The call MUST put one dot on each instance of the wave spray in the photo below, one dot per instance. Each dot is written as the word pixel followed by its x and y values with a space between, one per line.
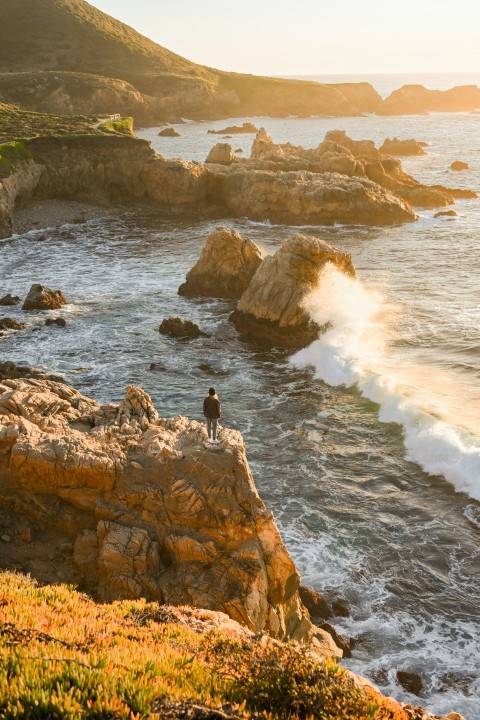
pixel 357 349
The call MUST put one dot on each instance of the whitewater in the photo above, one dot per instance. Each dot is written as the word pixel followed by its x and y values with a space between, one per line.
pixel 365 445
pixel 356 349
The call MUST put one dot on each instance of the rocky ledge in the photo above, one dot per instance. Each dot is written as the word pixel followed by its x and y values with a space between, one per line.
pixel 149 510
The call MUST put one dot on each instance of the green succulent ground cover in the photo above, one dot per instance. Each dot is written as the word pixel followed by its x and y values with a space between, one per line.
pixel 63 656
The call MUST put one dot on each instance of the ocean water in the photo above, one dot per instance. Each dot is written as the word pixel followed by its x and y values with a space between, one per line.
pixel 366 445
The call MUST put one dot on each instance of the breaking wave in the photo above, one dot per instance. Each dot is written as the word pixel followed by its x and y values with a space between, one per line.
pixel 357 350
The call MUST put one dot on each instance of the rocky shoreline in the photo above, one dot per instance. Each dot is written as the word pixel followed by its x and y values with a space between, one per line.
pixel 42 214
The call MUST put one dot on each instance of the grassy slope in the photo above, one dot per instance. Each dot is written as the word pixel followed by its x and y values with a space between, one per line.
pixel 64 656
pixel 71 35
pixel 22 125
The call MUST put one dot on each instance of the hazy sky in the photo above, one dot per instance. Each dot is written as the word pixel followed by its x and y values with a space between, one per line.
pixel 292 37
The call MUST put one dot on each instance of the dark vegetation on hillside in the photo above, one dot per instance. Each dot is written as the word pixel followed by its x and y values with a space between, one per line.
pixel 96 54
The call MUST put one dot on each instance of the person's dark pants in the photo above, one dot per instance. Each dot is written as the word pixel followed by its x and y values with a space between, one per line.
pixel 212 428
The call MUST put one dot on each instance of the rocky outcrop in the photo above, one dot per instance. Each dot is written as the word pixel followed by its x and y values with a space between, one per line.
pixel 338 153
pixel 59 321
pixel 18 183
pixel 459 165
pixel 8 300
pixel 402 147
pixel 418 100
pixel 222 154
pixel 10 324
pixel 246 128
pixel 42 298
pixel 272 308
pixel 225 268
pixel 299 197
pixel 180 328
pixel 151 513
pixel 168 132
pixel 446 213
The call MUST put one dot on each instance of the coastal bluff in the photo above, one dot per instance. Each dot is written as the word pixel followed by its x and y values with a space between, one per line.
pixel 145 508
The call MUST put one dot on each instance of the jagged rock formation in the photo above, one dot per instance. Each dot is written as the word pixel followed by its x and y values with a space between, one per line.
pixel 360 159
pixel 272 307
pixel 401 147
pixel 9 324
pixel 418 100
pixel 150 511
pixel 41 297
pixel 225 268
pixel 221 153
pixel 180 328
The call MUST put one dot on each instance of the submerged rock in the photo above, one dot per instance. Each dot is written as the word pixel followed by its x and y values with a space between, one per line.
pixel 410 681
pixel 9 300
pixel 180 328
pixel 42 298
pixel 151 514
pixel 221 154
pixel 272 307
pixel 446 213
pixel 225 268
pixel 61 322
pixel 11 324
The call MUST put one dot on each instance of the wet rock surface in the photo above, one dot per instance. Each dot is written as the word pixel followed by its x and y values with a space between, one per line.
pixel 41 297
pixel 180 328
pixel 9 300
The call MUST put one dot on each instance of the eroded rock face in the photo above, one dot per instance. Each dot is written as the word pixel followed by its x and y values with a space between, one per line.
pixel 221 154
pixel 357 160
pixel 225 268
pixel 41 297
pixel 271 309
pixel 151 513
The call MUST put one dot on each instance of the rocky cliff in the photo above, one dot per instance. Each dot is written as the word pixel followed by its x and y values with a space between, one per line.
pixel 102 169
pixel 418 100
pixel 150 511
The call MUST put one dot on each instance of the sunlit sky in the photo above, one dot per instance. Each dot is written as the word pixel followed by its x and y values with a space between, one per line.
pixel 300 37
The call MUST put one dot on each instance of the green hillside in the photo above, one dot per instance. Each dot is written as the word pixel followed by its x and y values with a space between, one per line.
pixel 40 38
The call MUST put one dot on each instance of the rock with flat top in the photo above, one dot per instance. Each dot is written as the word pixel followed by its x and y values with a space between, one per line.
pixel 272 307
pixel 41 297
pixel 221 154
pixel 247 128
pixel 150 512
pixel 225 268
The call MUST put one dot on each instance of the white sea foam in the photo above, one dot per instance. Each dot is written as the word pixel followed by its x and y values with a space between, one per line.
pixel 356 350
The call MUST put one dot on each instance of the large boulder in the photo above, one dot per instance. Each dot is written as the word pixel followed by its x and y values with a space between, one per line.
pixel 150 513
pixel 180 328
pixel 226 265
pixel 42 298
pixel 221 154
pixel 402 147
pixel 272 307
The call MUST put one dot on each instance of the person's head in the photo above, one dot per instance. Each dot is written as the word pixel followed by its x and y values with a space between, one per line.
pixel 211 391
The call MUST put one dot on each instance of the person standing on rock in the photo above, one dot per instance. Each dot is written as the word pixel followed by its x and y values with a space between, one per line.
pixel 211 410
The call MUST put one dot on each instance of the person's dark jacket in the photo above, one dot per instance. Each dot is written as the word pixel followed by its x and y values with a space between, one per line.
pixel 211 407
